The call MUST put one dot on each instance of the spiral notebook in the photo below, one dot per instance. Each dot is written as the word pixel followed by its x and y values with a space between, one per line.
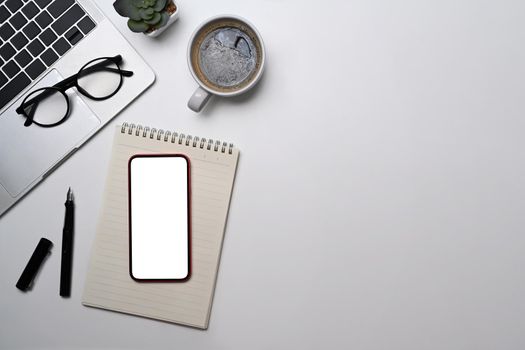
pixel 108 283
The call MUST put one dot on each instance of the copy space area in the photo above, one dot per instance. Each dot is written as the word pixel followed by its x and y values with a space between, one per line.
pixel 379 197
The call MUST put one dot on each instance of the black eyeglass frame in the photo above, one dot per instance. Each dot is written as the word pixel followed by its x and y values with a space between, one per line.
pixel 72 82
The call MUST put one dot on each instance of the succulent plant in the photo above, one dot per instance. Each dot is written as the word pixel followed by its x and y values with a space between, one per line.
pixel 144 15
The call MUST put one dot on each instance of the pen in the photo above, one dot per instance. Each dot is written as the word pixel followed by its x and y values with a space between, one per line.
pixel 67 246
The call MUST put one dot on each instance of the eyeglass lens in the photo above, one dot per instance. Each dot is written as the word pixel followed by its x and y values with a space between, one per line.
pixel 100 78
pixel 49 110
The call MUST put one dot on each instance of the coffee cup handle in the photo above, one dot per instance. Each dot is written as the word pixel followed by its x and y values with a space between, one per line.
pixel 198 99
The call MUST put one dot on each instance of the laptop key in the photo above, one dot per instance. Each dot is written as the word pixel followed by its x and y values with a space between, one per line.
pixel 49 57
pixel 59 6
pixel 23 58
pixel 61 46
pixel 42 3
pixel 6 31
pixel 86 25
pixel 18 21
pixel 69 18
pixel 14 5
pixel 13 88
pixel 11 68
pixel 7 51
pixel 3 79
pixel 73 35
pixel 31 30
pixel 35 69
pixel 30 10
pixel 43 19
pixel 35 47
pixel 4 14
pixel 19 41
pixel 47 37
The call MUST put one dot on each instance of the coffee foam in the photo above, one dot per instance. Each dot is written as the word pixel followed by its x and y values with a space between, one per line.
pixel 219 77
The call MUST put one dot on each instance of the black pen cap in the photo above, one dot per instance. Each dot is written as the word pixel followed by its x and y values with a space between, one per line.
pixel 33 265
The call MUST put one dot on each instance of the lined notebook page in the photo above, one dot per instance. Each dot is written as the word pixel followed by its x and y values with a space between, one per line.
pixel 109 285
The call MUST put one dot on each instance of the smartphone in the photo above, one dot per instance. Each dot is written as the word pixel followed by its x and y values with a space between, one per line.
pixel 159 217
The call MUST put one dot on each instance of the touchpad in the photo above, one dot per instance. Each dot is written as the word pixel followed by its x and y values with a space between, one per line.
pixel 27 153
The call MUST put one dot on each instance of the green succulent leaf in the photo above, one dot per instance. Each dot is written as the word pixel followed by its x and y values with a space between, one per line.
pixel 146 13
pixel 126 9
pixel 164 18
pixel 160 5
pixel 137 3
pixel 156 19
pixel 137 26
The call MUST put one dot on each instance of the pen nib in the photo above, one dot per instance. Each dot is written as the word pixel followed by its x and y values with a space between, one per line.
pixel 70 195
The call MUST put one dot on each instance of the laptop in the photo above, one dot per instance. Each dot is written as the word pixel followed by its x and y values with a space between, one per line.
pixel 41 43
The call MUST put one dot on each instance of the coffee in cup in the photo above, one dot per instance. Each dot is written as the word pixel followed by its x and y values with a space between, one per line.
pixel 226 57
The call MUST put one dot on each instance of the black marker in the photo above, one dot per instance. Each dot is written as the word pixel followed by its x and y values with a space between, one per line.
pixel 67 246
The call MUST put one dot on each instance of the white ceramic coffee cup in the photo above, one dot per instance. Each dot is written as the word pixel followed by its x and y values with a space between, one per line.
pixel 204 92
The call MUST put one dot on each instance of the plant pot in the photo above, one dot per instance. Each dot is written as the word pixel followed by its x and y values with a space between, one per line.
pixel 173 17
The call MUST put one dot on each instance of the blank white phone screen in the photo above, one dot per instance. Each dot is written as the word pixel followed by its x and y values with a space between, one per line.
pixel 159 217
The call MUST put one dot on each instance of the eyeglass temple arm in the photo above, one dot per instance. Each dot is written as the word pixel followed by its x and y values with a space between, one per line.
pixel 70 81
pixel 29 117
pixel 126 73
pixel 37 98
pixel 102 66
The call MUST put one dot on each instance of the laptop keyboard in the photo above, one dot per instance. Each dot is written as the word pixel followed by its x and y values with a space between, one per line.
pixel 34 34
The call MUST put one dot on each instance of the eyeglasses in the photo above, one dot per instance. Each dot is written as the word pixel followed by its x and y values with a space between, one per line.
pixel 99 79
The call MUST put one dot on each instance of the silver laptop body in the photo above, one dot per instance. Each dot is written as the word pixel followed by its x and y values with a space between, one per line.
pixel 29 154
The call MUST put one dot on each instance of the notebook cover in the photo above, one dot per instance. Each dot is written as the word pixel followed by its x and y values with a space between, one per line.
pixel 108 283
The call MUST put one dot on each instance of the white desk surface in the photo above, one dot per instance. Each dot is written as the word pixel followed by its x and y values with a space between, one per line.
pixel 380 193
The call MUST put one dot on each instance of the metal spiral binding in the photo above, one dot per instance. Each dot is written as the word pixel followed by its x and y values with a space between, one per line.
pixel 173 137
